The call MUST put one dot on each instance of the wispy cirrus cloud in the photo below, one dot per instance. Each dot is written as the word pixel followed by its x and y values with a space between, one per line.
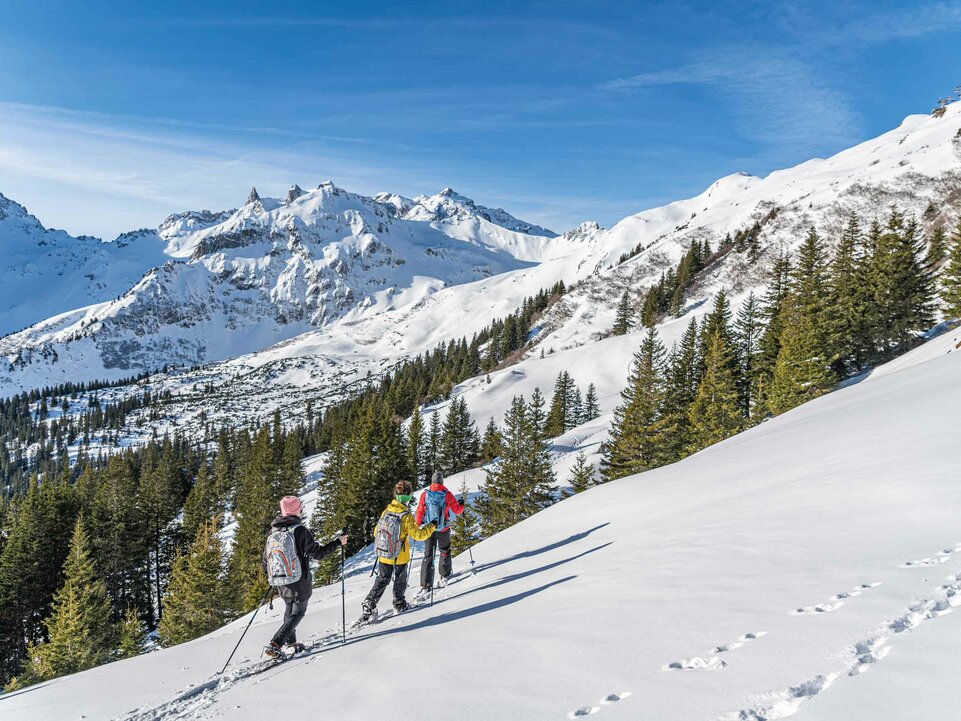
pixel 776 99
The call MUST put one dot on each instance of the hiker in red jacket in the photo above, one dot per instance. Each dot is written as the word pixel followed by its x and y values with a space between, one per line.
pixel 436 505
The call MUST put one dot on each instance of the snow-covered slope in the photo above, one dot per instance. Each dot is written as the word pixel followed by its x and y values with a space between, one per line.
pixel 242 280
pixel 808 565
pixel 46 272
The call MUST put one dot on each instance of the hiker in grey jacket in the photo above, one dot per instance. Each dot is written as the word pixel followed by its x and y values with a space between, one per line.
pixel 296 595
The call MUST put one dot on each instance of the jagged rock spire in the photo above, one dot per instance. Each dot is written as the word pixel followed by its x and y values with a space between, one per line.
pixel 253 197
pixel 293 193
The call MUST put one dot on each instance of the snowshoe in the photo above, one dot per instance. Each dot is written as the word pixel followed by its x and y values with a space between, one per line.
pixel 401 607
pixel 275 651
pixel 422 594
pixel 442 582
pixel 293 648
pixel 368 616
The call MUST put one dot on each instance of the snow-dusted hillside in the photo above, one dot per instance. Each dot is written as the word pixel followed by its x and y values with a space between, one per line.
pixel 809 565
pixel 46 272
pixel 242 280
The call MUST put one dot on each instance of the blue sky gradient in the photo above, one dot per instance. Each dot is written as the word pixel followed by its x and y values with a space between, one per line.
pixel 114 114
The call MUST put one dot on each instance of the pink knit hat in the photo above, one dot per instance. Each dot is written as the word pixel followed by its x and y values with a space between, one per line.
pixel 290 506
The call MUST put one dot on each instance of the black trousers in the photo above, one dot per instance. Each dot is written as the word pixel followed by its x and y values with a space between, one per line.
pixel 441 539
pixel 295 606
pixel 382 581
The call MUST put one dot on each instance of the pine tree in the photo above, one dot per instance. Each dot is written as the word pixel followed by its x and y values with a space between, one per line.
pixel 465 530
pixel 559 415
pixel 683 377
pixel 459 443
pixel 583 474
pixel 747 338
pixel 537 415
pixel 255 509
pixel 937 248
pixel 520 483
pixel 80 635
pixel 575 408
pixel 779 286
pixel 638 434
pixel 592 408
pixel 622 318
pixel 802 371
pixel 848 303
pixel 120 548
pixel 37 539
pixel 491 442
pixel 951 279
pixel 716 412
pixel 902 288
pixel 202 503
pixel 133 636
pixel 196 600
pixel 415 448
pixel 432 445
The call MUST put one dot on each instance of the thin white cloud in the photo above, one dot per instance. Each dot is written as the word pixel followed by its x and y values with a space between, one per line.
pixel 776 99
pixel 100 176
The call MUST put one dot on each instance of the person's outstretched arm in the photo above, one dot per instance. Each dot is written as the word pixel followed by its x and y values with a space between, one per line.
pixel 454 505
pixel 411 529
pixel 314 550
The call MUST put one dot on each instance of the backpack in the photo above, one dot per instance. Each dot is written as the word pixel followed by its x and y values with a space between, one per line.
pixel 388 536
pixel 283 563
pixel 435 503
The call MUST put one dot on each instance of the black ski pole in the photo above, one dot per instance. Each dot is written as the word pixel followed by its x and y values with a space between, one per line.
pixel 269 589
pixel 469 551
pixel 343 594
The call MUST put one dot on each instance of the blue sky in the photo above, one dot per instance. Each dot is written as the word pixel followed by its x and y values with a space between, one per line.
pixel 113 115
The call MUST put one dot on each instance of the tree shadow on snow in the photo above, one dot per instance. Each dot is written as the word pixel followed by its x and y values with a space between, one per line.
pixel 537 551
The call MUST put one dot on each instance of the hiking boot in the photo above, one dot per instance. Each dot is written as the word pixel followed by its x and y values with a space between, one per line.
pixel 442 583
pixel 274 650
pixel 368 613
pixel 293 648
pixel 402 606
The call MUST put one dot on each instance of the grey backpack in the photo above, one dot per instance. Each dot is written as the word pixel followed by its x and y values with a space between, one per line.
pixel 283 564
pixel 388 540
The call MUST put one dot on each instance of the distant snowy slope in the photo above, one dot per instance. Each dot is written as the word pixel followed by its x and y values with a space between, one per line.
pixel 46 272
pixel 810 564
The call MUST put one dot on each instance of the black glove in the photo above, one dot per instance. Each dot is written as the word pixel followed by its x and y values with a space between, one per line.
pixel 463 501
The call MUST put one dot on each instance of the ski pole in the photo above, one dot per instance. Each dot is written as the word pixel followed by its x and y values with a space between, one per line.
pixel 343 594
pixel 269 589
pixel 433 571
pixel 471 553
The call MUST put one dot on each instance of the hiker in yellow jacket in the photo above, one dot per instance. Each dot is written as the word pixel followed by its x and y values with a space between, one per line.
pixel 391 541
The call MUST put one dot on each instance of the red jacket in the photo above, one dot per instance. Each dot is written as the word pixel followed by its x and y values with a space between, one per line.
pixel 451 505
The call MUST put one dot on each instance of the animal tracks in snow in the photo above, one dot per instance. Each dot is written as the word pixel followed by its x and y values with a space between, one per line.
pixel 606 701
pixel 713 662
pixel 836 601
pixel 942 556
pixel 863 656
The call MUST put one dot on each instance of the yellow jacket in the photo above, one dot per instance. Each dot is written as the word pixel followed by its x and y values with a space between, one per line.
pixel 408 528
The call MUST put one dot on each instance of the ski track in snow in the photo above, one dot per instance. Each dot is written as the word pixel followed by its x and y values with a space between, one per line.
pixel 863 655
pixel 190 702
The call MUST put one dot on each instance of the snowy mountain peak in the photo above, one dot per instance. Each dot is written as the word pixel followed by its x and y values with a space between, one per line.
pixel 254 196
pixel 449 205
pixel 294 192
